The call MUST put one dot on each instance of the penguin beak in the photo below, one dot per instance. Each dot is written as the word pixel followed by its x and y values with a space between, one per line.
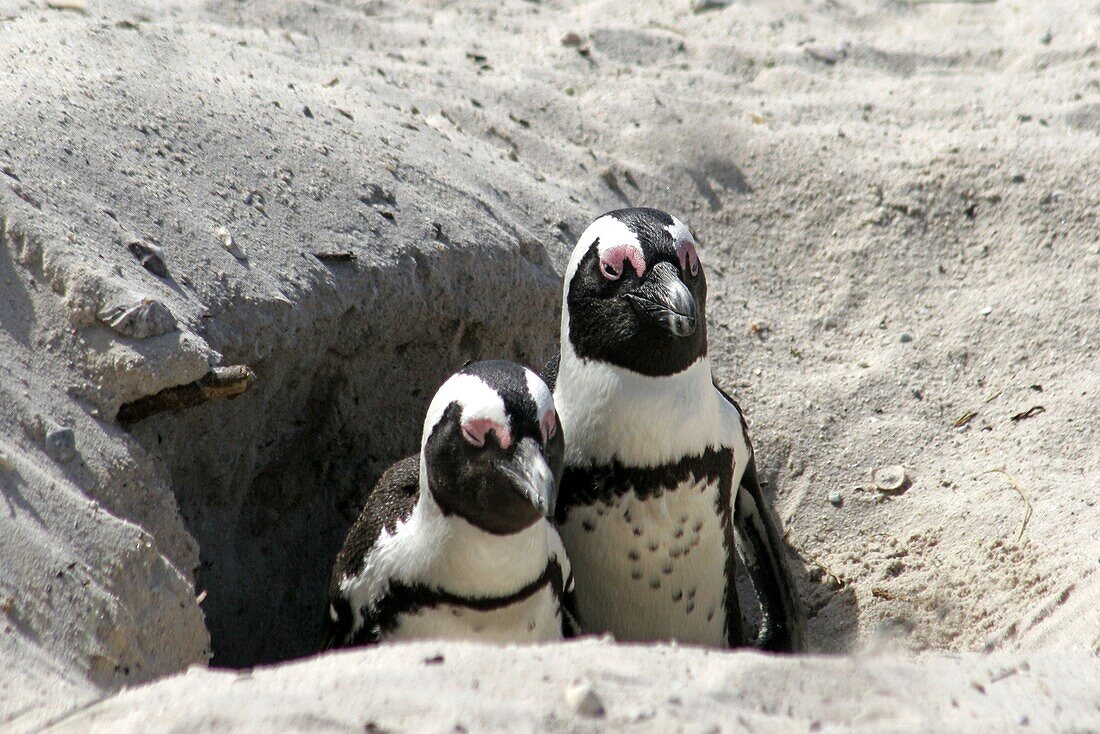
pixel 665 300
pixel 530 474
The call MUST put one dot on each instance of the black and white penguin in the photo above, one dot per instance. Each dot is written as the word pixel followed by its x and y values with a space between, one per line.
pixel 660 483
pixel 456 542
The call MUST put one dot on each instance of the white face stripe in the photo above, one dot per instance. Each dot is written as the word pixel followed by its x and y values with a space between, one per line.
pixel 477 400
pixel 612 233
pixel 544 400
pixel 679 231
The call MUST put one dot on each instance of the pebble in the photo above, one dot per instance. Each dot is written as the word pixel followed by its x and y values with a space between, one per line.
pixel 987 310
pixel 831 322
pixel 571 39
pixel 79 6
pixel 582 698
pixel 889 478
pixel 905 338
pixel 828 55
pixel 701 6
pixel 61 444
pixel 140 319
pixel 229 243
pixel 835 499
pixel 150 256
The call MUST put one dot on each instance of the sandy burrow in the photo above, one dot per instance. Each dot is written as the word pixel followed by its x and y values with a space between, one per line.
pixel 433 687
pixel 898 209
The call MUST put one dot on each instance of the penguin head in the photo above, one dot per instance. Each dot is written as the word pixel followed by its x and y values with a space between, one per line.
pixel 492 450
pixel 635 294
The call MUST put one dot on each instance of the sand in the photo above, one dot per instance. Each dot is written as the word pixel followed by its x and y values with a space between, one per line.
pixel 897 206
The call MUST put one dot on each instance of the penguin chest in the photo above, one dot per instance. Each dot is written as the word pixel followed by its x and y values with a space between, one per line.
pixel 652 565
pixel 534 619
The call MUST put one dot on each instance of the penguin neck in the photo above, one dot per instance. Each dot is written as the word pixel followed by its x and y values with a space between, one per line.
pixel 611 413
pixel 457 556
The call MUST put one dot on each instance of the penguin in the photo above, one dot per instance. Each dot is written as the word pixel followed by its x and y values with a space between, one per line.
pixel 456 541
pixel 660 485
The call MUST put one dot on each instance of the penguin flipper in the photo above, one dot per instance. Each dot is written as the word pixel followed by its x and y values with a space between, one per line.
pixel 783 621
pixel 391 501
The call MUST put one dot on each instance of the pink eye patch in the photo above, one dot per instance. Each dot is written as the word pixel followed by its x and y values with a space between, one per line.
pixel 612 260
pixel 475 431
pixel 689 258
pixel 548 425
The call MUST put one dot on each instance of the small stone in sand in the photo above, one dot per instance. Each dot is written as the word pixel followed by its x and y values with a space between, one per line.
pixel 140 319
pixel 905 338
pixel 571 40
pixel 582 698
pixel 229 243
pixel 701 6
pixel 987 310
pixel 150 256
pixel 61 444
pixel 889 478
pixel 835 499
pixel 78 6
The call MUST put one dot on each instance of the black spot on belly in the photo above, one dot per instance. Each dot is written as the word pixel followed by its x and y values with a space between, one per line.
pixel 588 526
pixel 683 519
pixel 653 546
pixel 698 527
pixel 691 594
pixel 675 552
pixel 678 595
pixel 636 574
pixel 679 533
pixel 689 608
pixel 666 569
pixel 710 615
pixel 637 532
pixel 655 583
pixel 633 555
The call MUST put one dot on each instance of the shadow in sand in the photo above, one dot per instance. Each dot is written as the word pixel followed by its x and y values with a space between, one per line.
pixel 10 482
pixel 830 604
pixel 16 307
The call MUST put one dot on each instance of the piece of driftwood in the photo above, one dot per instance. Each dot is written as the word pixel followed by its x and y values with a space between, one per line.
pixel 220 382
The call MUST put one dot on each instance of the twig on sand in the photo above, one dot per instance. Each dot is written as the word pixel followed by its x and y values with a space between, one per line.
pixel 1020 491
pixel 220 382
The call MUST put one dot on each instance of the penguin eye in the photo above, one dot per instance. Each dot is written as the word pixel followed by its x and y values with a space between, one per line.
pixel 614 259
pixel 549 426
pixel 475 432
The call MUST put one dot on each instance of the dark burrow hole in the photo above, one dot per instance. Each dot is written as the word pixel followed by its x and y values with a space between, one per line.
pixel 268 483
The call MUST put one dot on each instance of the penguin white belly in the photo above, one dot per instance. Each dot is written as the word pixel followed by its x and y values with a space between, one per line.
pixel 652 569
pixel 534 619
